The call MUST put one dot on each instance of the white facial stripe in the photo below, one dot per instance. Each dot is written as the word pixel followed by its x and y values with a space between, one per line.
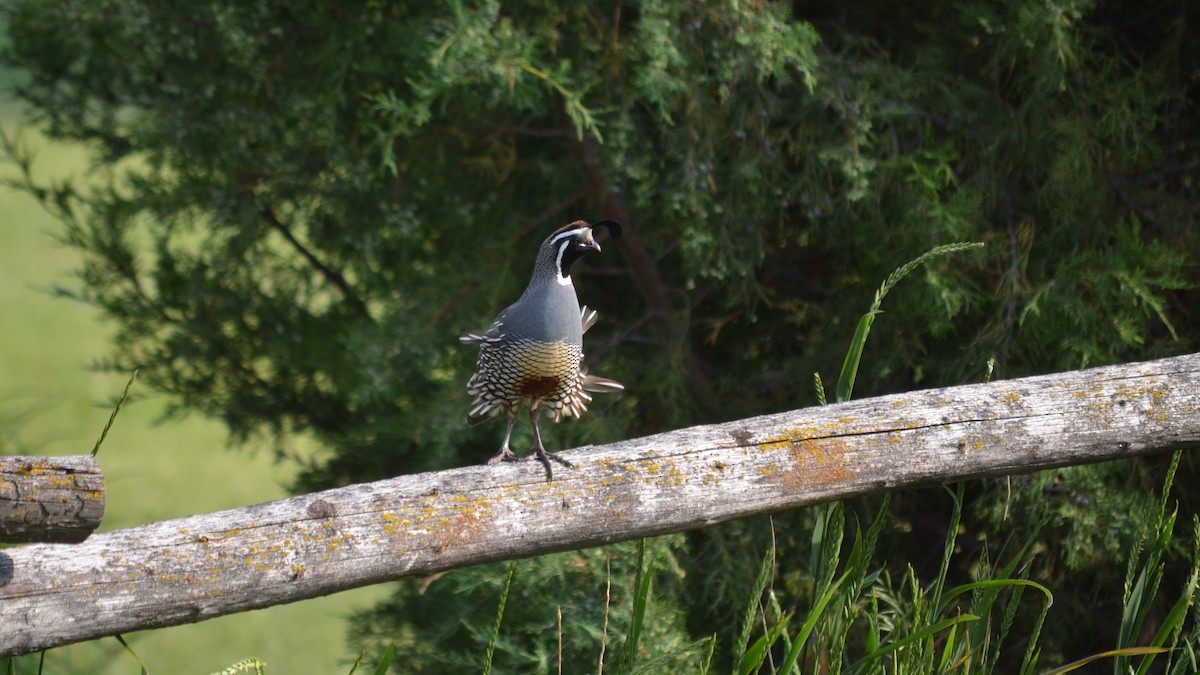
pixel 562 279
pixel 563 240
pixel 568 234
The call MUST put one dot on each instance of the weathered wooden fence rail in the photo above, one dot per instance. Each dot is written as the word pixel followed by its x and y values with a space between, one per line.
pixel 200 567
pixel 49 499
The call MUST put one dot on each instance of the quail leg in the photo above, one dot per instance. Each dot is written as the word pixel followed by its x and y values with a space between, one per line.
pixel 543 456
pixel 506 455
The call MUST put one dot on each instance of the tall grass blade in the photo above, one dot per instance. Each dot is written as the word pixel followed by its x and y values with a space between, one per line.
pixel 859 577
pixel 1032 653
pixel 948 552
pixel 1186 653
pixel 818 609
pixel 1172 624
pixel 1185 660
pixel 113 416
pixel 645 568
pixel 1112 653
pixel 948 650
pixel 760 584
pixel 845 385
pixel 993 583
pixel 753 660
pixel 810 622
pixel 491 648
pixel 870 659
pixel 132 653
pixel 706 667
pixel 385 663
pixel 607 607
pixel 825 551
pixel 1139 598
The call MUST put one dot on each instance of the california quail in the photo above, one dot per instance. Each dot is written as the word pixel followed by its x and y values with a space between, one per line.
pixel 532 354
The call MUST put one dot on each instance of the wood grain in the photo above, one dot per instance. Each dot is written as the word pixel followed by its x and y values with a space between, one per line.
pixel 195 568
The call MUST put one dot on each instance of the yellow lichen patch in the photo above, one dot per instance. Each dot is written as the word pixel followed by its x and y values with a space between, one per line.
pixel 394 525
pixel 1012 399
pixel 769 470
pixel 614 479
pixel 775 443
pixel 672 476
pixel 793 437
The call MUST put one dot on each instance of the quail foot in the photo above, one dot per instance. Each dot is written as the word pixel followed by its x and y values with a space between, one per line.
pixel 532 354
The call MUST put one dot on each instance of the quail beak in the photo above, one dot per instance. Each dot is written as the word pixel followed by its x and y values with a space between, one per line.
pixel 591 243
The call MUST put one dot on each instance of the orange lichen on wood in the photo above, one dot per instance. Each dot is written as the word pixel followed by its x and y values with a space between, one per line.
pixel 817 458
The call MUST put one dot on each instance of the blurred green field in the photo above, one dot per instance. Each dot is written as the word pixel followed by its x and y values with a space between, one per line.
pixel 52 403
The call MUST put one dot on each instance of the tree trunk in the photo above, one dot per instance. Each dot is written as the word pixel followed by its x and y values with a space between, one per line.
pixel 200 567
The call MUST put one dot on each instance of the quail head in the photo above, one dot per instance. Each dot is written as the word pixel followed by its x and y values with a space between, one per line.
pixel 532 354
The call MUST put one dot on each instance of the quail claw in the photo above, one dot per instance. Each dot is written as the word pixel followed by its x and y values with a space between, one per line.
pixel 545 457
pixel 505 455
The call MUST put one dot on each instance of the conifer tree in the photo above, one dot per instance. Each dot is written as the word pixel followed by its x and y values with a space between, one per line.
pixel 295 207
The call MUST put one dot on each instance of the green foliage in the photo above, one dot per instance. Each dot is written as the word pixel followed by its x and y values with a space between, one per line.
pixel 1142 583
pixel 602 593
pixel 293 209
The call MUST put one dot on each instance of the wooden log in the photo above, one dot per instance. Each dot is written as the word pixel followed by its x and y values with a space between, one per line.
pixel 195 568
pixel 50 499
